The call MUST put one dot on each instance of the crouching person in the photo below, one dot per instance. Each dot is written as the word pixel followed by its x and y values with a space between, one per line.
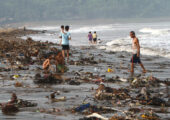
pixel 60 63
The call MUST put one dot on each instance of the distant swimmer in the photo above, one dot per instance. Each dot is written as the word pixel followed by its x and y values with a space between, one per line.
pixel 95 37
pixel 90 37
pixel 136 52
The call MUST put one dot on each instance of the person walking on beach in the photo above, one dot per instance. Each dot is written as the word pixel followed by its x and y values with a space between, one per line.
pixel 95 37
pixel 62 31
pixel 66 37
pixel 136 52
pixel 90 37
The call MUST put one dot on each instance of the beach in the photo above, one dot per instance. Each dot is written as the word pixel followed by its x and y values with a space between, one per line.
pixel 88 66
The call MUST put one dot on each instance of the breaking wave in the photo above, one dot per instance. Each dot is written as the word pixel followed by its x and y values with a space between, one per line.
pixel 155 31
pixel 125 45
pixel 48 28
pixel 86 29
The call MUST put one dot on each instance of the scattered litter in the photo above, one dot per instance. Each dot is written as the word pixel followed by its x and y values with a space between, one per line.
pixel 48 79
pixel 82 107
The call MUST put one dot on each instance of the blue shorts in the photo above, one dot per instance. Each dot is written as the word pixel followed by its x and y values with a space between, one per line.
pixel 135 59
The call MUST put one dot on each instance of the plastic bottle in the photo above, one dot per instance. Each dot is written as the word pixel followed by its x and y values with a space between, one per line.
pixel 82 107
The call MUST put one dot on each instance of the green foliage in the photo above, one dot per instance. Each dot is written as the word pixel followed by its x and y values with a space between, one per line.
pixel 36 10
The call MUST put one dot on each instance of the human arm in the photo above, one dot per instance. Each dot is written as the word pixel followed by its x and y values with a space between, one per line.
pixel 46 63
pixel 60 35
pixel 69 36
pixel 60 42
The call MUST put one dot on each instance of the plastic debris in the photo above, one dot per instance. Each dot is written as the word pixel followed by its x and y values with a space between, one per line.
pixel 82 107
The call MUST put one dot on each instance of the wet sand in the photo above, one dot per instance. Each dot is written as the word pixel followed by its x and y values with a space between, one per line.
pixel 86 65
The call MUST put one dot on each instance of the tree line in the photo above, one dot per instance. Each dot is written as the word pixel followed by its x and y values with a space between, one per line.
pixel 38 10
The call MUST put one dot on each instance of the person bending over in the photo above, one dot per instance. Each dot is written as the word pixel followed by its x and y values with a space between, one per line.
pixel 60 63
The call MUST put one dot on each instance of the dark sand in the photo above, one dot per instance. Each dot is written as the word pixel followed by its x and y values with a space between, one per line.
pixel 159 67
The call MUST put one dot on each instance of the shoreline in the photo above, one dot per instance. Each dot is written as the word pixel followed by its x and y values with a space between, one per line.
pixel 87 66
pixel 93 21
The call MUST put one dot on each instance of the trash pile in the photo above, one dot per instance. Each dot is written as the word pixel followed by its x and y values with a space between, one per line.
pixel 107 93
pixel 143 92
pixel 14 104
pixel 145 82
pixel 145 98
pixel 48 79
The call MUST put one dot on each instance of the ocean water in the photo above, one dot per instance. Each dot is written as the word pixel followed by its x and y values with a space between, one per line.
pixel 154 37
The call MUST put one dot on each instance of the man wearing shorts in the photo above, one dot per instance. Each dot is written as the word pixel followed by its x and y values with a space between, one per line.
pixel 136 52
pixel 66 37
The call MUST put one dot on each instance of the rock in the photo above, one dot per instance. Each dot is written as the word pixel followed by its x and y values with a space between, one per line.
pixel 134 110
pixel 73 82
pixel 14 104
pixel 48 79
pixel 25 103
pixel 9 109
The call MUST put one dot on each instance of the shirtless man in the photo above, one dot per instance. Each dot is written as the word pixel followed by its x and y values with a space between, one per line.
pixel 136 52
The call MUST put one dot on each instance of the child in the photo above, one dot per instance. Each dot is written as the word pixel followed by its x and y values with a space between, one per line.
pixel 95 37
pixel 66 37
pixel 90 36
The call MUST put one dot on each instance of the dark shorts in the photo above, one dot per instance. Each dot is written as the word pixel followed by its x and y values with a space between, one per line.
pixel 65 47
pixel 135 59
pixel 95 39
pixel 90 39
